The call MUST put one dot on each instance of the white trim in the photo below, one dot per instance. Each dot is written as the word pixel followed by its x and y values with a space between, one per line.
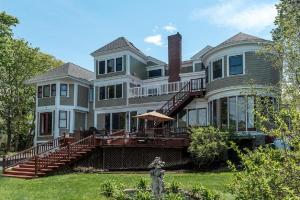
pixel 75 97
pixel 244 63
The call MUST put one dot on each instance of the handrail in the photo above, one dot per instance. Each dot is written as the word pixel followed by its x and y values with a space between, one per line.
pixel 63 153
pixel 9 161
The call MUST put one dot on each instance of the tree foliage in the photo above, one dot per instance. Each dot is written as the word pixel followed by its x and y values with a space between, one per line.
pixel 207 144
pixel 18 62
pixel 274 173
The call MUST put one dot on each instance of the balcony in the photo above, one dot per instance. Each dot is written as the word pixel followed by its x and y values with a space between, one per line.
pixel 163 89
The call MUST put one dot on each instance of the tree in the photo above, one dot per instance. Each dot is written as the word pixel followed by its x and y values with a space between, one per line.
pixel 207 144
pixel 274 173
pixel 18 62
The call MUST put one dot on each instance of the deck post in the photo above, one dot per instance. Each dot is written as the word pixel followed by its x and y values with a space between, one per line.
pixel 94 138
pixel 64 138
pixel 3 163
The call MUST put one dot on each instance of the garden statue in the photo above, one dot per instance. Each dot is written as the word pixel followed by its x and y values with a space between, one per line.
pixel 157 176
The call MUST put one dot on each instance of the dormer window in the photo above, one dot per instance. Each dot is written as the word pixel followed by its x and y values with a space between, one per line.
pixel 110 65
pixel 155 73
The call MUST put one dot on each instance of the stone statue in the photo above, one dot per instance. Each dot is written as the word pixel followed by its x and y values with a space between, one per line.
pixel 157 176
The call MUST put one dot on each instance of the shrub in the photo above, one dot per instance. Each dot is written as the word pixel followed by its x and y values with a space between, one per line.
pixel 207 144
pixel 174 187
pixel 201 192
pixel 143 195
pixel 174 196
pixel 142 184
pixel 121 195
pixel 108 189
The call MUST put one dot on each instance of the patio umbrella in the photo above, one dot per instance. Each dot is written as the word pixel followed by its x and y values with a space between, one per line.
pixel 155 116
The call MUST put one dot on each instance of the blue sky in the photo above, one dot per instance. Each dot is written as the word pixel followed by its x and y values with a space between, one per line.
pixel 72 29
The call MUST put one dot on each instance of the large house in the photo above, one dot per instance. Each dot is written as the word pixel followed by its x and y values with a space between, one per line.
pixel 209 88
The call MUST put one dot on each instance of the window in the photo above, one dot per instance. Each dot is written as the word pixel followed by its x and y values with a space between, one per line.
pixel 101 67
pixel 202 116
pixel 217 69
pixel 107 121
pixel 118 120
pixel 155 73
pixel 182 119
pixel 119 64
pixel 224 114
pixel 193 117
pixel 119 91
pixel 236 65
pixel 232 113
pixel 102 93
pixel 40 91
pixel 63 90
pixel 111 91
pixel 46 92
pixel 214 113
pixel 46 123
pixel 53 90
pixel 241 111
pixel 250 113
pixel 110 65
pixel 62 119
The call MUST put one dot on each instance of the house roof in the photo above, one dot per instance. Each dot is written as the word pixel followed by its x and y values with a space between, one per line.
pixel 67 69
pixel 155 60
pixel 240 38
pixel 201 52
pixel 118 44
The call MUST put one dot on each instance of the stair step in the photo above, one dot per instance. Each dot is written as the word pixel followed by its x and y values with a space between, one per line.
pixel 23 173
pixel 18 176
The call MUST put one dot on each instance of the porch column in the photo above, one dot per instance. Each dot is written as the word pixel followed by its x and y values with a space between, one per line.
pixel 56 124
pixel 72 121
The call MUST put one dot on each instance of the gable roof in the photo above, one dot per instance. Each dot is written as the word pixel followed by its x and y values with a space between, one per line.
pixel 201 52
pixel 155 60
pixel 67 69
pixel 118 44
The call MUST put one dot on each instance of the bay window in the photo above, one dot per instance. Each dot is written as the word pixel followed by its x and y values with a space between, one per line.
pixel 241 113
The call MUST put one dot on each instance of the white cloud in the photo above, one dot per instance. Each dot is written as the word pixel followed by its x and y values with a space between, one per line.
pixel 170 28
pixel 243 15
pixel 154 39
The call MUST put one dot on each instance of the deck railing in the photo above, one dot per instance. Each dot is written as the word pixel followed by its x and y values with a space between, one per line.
pixel 9 161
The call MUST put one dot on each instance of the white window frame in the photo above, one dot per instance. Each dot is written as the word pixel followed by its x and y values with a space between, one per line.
pixel 63 119
pixel 244 64
pixel 194 65
pixel 98 67
pixel 68 89
pixel 121 64
pixel 115 92
pixel 212 67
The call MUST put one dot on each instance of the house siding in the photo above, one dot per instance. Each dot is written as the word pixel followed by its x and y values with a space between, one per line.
pixel 80 120
pixel 70 99
pixel 83 96
pixel 186 69
pixel 257 69
pixel 101 121
pixel 46 101
pixel 149 99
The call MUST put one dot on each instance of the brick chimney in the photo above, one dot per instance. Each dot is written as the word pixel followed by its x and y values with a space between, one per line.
pixel 174 51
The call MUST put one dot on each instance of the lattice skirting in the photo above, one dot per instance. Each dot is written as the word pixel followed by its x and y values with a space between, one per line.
pixel 122 158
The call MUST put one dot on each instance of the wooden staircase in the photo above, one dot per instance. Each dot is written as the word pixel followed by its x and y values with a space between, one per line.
pixel 46 158
pixel 194 88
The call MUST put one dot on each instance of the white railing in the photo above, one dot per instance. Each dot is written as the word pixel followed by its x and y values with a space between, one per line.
pixel 156 90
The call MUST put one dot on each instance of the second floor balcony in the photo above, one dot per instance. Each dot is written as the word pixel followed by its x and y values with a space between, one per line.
pixel 167 88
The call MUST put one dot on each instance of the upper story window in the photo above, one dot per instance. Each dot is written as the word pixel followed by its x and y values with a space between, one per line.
pixel 53 90
pixel 119 64
pixel 40 91
pixel 101 67
pixel 155 73
pixel 110 92
pixel 64 90
pixel 235 65
pixel 46 92
pixel 110 65
pixel 217 68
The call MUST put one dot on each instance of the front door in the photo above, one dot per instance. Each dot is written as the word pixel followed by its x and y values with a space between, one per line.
pixel 46 123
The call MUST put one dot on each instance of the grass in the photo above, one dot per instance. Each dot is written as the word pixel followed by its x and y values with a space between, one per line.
pixel 87 186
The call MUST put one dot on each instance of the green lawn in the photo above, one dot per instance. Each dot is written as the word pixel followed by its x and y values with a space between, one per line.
pixel 86 186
